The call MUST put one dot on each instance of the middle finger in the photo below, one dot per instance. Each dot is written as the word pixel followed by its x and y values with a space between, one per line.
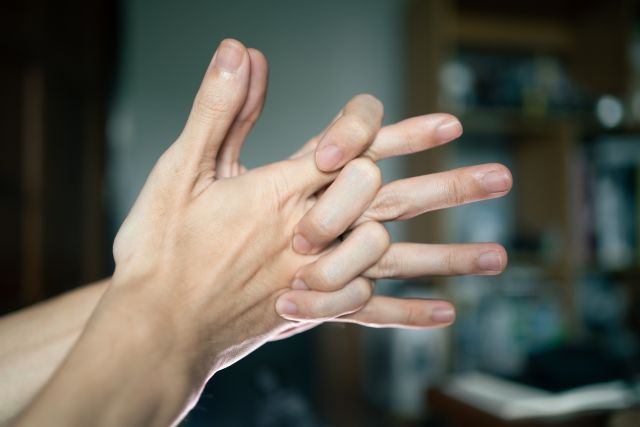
pixel 407 198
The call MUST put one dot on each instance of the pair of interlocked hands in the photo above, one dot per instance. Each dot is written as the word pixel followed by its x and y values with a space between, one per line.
pixel 214 260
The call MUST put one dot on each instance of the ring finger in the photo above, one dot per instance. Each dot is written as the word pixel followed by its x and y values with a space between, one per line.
pixel 361 249
pixel 412 260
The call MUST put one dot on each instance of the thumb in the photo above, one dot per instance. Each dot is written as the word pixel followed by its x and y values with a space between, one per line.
pixel 221 96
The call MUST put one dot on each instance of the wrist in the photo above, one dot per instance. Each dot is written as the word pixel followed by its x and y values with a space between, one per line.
pixel 131 360
pixel 152 325
pixel 157 305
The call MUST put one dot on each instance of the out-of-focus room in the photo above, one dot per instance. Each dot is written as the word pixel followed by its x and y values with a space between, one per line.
pixel 91 93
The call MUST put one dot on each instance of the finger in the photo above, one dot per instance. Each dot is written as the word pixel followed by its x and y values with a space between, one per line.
pixel 407 136
pixel 406 198
pixel 411 260
pixel 228 164
pixel 311 145
pixel 319 306
pixel 387 312
pixel 414 135
pixel 298 176
pixel 308 147
pixel 351 134
pixel 221 96
pixel 361 249
pixel 343 202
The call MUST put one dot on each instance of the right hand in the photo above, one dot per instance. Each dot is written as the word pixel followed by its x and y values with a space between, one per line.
pixel 355 202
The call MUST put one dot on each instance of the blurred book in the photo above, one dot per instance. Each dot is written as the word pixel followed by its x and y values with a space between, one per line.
pixel 510 400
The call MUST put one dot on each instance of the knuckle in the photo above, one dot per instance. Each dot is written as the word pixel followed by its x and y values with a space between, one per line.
pixel 366 171
pixel 455 191
pixel 321 225
pixel 387 205
pixel 449 262
pixel 323 278
pixel 413 315
pixel 371 101
pixel 412 141
pixel 410 316
pixel 389 266
pixel 358 129
pixel 375 236
pixel 211 104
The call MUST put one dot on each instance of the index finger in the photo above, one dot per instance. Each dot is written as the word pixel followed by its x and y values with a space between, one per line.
pixel 414 135
pixel 408 136
pixel 351 134
pixel 323 222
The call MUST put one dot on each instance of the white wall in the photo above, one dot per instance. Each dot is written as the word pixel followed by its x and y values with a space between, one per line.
pixel 321 53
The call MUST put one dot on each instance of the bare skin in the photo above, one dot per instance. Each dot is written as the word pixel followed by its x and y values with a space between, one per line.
pixel 199 270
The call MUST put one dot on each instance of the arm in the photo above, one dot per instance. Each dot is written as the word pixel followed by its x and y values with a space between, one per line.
pixel 36 339
pixel 119 375
pixel 161 332
pixel 200 262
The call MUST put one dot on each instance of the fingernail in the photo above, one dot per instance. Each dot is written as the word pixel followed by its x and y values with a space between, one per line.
pixel 490 261
pixel 301 245
pixel 329 157
pixel 449 130
pixel 284 306
pixel 495 182
pixel 443 315
pixel 229 56
pixel 299 285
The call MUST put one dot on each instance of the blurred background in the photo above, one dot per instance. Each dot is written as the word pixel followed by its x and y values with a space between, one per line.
pixel 92 92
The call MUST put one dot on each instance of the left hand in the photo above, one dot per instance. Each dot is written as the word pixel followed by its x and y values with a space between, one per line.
pixel 195 238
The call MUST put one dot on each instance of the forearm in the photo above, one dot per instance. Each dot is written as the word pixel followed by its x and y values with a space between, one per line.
pixel 36 340
pixel 129 367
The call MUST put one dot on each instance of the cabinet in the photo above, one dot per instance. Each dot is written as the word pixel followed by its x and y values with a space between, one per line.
pixel 57 61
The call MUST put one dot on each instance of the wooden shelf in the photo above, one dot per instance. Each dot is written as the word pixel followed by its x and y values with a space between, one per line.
pixel 511 32
pixel 506 120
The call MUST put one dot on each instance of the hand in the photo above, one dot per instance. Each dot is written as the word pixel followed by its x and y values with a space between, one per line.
pixel 200 263
pixel 353 199
pixel 398 200
pixel 196 240
pixel 356 131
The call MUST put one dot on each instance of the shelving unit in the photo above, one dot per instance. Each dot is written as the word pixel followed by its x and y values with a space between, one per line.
pixel 541 145
pixel 550 151
pixel 545 146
